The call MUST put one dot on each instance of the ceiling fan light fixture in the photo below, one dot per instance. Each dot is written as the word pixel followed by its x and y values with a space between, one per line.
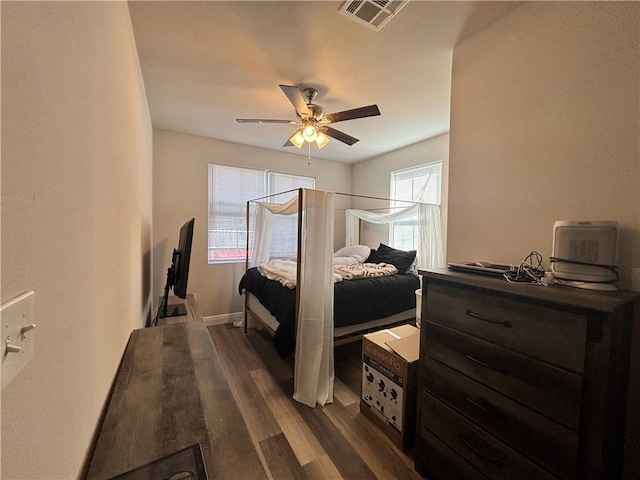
pixel 312 119
pixel 297 138
pixel 321 140
pixel 309 132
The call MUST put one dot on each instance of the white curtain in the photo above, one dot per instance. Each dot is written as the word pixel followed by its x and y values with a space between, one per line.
pixel 314 373
pixel 263 227
pixel 430 248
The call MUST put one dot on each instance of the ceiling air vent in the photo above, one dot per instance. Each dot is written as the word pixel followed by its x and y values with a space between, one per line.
pixel 374 14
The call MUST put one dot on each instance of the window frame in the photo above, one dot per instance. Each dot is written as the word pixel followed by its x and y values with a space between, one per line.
pixel 412 223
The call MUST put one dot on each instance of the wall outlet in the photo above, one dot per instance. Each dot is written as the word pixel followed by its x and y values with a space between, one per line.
pixel 18 332
pixel 635 279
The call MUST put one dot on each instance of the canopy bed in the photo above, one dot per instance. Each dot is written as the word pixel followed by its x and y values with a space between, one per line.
pixel 321 295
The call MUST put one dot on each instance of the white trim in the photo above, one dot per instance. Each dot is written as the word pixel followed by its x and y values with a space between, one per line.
pixel 224 318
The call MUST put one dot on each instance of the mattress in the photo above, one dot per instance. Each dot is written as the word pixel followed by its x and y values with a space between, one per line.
pixel 355 302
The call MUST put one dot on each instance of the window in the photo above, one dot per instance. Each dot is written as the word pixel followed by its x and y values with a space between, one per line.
pixel 285 229
pixel 229 190
pixel 418 184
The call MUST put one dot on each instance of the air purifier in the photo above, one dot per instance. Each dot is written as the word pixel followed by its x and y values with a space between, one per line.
pixel 584 254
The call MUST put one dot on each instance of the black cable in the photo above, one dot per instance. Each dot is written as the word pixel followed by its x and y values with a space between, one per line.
pixel 530 270
pixel 611 268
pixel 154 322
pixel 578 262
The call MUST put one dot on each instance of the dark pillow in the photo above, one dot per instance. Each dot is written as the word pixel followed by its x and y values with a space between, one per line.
pixel 373 257
pixel 401 259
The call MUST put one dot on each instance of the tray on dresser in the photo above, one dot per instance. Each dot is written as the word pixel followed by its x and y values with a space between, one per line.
pixel 185 464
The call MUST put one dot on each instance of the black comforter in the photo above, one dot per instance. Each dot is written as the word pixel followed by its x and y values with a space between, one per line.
pixel 355 301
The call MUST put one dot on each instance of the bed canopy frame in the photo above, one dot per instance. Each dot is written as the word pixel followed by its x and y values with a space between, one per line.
pixel 316 228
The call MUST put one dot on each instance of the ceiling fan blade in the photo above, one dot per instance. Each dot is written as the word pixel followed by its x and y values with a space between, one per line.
pixel 297 100
pixel 263 120
pixel 369 111
pixel 338 135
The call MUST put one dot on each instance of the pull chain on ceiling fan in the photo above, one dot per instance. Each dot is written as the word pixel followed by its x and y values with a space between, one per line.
pixel 314 124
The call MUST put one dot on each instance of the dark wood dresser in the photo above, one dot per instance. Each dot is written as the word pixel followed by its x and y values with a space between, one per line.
pixel 520 381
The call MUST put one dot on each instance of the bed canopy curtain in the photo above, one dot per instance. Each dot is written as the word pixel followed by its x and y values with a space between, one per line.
pixel 265 215
pixel 430 248
pixel 313 370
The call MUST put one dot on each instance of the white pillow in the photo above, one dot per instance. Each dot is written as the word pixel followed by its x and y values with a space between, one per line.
pixel 345 261
pixel 351 255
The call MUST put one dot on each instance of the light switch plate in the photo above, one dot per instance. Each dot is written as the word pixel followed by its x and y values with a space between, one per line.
pixel 18 332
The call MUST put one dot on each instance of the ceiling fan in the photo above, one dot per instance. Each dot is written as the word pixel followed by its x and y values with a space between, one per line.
pixel 314 123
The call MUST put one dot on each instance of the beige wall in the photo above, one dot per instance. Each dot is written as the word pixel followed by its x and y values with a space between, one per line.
pixel 545 127
pixel 76 220
pixel 180 192
pixel 373 177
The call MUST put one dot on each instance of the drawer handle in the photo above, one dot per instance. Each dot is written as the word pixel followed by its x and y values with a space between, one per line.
pixel 504 323
pixel 478 452
pixel 483 364
pixel 476 404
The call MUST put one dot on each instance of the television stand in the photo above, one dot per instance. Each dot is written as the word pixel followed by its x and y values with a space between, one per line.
pixel 187 305
pixel 174 310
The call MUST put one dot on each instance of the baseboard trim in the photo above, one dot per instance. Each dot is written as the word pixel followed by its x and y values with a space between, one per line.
pixel 224 318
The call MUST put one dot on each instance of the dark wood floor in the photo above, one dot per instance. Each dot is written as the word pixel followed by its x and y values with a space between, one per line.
pixel 294 440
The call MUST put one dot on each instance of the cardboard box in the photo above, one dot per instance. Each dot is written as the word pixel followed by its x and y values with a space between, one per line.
pixel 389 381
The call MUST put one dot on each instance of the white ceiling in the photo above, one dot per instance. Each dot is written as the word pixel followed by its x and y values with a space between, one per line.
pixel 207 63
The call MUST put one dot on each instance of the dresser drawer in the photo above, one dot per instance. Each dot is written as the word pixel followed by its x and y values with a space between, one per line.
pixel 483 451
pixel 436 461
pixel 550 335
pixel 547 443
pixel 548 390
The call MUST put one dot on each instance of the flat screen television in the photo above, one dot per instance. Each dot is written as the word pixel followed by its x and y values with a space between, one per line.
pixel 178 274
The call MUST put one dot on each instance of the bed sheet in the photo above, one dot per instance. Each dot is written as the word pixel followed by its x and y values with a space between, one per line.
pixel 355 301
